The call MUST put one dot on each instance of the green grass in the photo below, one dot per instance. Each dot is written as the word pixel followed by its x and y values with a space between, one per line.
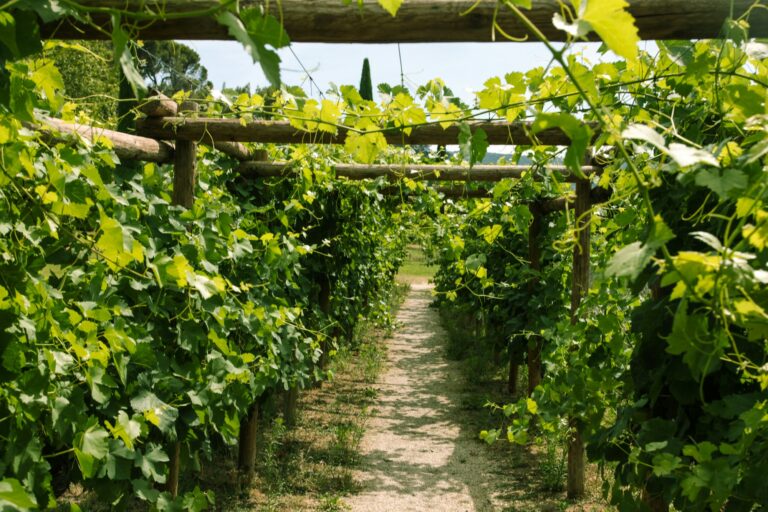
pixel 415 266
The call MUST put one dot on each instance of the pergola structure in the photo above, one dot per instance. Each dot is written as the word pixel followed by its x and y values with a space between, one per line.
pixel 165 136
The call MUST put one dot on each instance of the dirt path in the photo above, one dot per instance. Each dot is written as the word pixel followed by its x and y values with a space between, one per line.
pixel 417 456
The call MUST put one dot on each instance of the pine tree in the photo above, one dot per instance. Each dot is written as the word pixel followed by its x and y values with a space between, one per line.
pixel 366 88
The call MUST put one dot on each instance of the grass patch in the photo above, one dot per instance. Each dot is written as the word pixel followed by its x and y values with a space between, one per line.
pixel 415 268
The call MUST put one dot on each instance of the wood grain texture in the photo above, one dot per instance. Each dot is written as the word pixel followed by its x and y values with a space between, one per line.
pixel 575 484
pixel 185 167
pixel 158 105
pixel 204 130
pixel 125 146
pixel 415 172
pixel 330 21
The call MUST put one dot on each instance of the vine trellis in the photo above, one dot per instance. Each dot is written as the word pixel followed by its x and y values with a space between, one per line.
pixel 169 133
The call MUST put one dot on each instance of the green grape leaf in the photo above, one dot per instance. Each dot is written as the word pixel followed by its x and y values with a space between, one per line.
pixel 125 428
pixel 157 412
pixel 475 261
pixel 254 42
pixel 726 183
pixel 391 6
pixel 264 29
pixel 13 494
pixel 630 260
pixel 473 146
pixel 614 24
pixel 8 32
pixel 665 463
pixel 644 133
pixel 123 55
pixel 152 463
pixel 576 130
pixel 686 156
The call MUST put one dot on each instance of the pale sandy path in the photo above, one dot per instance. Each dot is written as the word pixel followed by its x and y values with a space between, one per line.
pixel 416 455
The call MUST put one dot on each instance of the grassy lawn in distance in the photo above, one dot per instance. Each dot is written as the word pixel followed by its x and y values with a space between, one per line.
pixel 415 268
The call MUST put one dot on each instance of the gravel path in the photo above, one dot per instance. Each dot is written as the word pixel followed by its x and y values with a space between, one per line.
pixel 417 456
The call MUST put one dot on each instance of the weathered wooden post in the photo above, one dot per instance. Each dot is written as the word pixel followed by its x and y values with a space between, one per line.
pixel 249 425
pixel 174 469
pixel 290 405
pixel 185 166
pixel 184 169
pixel 583 206
pixel 534 257
pixel 249 428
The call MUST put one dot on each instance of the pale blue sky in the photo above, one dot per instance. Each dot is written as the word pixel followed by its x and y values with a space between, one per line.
pixel 463 66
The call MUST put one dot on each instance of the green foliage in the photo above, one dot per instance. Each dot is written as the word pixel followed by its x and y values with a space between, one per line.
pixel 130 324
pixel 170 67
pixel 89 76
pixel 366 87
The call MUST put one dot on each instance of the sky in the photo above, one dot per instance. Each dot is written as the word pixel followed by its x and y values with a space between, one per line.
pixel 463 66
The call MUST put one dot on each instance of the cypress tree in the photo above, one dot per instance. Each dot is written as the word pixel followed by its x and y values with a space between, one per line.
pixel 366 88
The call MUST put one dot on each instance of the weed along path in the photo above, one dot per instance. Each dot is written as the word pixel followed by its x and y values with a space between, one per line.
pixel 417 456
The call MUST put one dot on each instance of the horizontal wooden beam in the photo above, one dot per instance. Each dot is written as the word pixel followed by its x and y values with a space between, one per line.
pixel 414 172
pixel 558 204
pixel 133 147
pixel 330 21
pixel 205 130
pixel 158 105
pixel 125 146
pixel 447 192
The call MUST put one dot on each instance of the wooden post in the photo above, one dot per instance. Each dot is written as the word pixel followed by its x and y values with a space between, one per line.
pixel 249 427
pixel 514 370
pixel 324 301
pixel 184 195
pixel 575 486
pixel 174 468
pixel 184 166
pixel 290 406
pixel 534 257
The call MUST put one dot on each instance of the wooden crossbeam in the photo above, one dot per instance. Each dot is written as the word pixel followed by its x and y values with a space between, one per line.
pixel 330 21
pixel 414 172
pixel 125 146
pixel 281 132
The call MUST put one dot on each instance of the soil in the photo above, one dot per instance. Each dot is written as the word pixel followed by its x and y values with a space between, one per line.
pixel 417 456
pixel 421 450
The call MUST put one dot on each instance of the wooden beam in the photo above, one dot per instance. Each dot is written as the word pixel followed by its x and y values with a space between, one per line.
pixel 158 105
pixel 447 192
pixel 125 146
pixel 235 150
pixel 415 172
pixel 204 130
pixel 330 21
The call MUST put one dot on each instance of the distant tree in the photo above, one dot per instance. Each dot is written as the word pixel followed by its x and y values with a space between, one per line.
pixel 170 67
pixel 90 77
pixel 366 87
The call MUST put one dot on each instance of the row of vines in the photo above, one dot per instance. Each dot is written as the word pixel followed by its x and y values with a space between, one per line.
pixel 133 328
pixel 137 334
pixel 665 368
